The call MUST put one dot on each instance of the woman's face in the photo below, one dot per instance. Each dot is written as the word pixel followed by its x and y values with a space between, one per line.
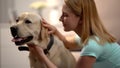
pixel 69 19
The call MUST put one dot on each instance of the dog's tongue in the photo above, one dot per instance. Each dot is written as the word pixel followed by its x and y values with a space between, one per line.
pixel 16 39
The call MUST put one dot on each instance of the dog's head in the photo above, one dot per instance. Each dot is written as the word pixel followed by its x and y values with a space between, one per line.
pixel 27 28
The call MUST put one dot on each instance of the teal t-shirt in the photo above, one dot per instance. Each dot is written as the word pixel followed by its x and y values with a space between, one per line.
pixel 107 55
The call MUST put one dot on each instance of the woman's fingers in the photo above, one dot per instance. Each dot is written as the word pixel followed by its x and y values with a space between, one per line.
pixel 37 50
pixel 45 24
pixel 51 29
pixel 44 21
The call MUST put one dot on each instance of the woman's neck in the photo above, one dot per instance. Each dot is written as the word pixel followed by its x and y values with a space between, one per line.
pixel 78 30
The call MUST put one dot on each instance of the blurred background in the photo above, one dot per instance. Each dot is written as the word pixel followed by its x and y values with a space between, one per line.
pixel 50 10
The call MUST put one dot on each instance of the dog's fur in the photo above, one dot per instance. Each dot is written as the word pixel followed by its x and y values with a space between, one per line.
pixel 29 25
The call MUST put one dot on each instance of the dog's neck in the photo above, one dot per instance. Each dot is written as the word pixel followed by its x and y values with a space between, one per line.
pixel 42 43
pixel 43 39
pixel 50 44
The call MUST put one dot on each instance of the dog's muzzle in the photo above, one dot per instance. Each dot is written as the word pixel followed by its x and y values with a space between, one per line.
pixel 17 39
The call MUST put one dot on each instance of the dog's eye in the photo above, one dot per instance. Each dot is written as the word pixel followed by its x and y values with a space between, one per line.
pixel 28 21
pixel 17 20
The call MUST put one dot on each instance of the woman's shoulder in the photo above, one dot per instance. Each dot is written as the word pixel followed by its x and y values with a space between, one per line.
pixel 92 48
pixel 94 45
pixel 93 40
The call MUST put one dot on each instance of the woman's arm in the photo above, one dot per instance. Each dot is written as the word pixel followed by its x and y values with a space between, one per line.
pixel 68 42
pixel 38 52
pixel 86 62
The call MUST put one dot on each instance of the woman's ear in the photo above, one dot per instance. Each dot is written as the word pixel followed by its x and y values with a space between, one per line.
pixel 79 21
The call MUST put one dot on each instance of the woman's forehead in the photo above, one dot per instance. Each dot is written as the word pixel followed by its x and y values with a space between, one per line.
pixel 65 8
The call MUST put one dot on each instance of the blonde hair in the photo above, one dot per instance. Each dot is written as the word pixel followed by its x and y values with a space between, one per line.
pixel 92 24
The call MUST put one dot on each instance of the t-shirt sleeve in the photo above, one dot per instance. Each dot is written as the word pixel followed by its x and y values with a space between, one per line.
pixel 92 49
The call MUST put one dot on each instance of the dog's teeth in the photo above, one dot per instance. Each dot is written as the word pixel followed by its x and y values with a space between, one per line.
pixel 19 39
pixel 16 36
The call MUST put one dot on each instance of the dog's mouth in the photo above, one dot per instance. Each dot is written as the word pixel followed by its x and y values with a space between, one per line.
pixel 18 39
pixel 21 40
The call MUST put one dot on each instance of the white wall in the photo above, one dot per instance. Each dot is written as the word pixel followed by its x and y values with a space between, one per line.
pixel 109 11
pixel 4 7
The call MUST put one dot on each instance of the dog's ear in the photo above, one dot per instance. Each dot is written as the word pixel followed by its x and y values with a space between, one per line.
pixel 43 33
pixel 40 37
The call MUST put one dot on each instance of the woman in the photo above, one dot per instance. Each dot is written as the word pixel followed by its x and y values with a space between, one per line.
pixel 100 49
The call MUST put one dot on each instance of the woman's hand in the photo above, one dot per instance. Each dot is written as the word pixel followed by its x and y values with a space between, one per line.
pixel 36 50
pixel 52 29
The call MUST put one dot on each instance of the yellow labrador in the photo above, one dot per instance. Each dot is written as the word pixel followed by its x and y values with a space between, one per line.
pixel 28 29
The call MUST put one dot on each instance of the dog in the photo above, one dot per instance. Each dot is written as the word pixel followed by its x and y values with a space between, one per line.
pixel 28 29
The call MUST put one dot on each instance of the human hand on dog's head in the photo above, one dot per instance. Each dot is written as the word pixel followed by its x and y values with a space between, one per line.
pixel 51 29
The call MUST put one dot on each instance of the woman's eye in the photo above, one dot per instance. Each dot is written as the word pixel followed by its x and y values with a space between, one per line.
pixel 65 15
pixel 28 21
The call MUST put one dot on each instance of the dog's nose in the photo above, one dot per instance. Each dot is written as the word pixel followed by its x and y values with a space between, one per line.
pixel 13 30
